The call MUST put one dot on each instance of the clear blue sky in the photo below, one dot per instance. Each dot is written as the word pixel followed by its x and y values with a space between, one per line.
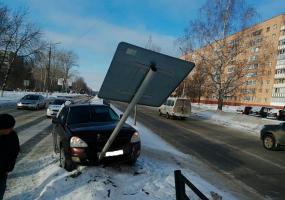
pixel 93 28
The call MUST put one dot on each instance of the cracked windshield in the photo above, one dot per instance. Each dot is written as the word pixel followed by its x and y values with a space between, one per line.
pixel 154 99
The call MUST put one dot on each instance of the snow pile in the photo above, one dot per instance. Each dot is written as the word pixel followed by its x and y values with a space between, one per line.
pixel 231 118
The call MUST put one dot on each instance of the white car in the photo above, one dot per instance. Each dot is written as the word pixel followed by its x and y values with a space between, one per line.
pixel 176 107
pixel 54 107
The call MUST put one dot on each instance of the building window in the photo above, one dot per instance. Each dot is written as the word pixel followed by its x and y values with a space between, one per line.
pixel 253 66
pixel 254 49
pixel 281 51
pixel 257 33
pixel 282 42
pixel 250 82
pixel 268 29
pixel 252 74
pixel 252 58
pixel 274 26
pixel 230 69
pixel 273 35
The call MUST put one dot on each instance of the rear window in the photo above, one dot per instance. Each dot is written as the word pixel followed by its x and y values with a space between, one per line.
pixel 58 102
pixel 78 115
pixel 31 97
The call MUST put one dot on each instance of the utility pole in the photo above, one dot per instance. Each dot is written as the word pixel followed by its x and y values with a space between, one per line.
pixel 48 70
pixel 47 86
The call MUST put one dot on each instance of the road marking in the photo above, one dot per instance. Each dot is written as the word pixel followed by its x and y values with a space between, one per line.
pixel 29 133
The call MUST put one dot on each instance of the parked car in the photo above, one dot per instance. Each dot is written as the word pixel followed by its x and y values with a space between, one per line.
pixel 273 114
pixel 282 114
pixel 247 110
pixel 54 107
pixel 264 111
pixel 273 136
pixel 81 131
pixel 255 110
pixel 32 101
pixel 176 107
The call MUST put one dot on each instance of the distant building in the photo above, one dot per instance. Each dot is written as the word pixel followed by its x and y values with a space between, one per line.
pixel 262 85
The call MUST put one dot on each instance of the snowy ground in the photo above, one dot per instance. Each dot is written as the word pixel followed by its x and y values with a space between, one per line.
pixel 230 118
pixel 37 175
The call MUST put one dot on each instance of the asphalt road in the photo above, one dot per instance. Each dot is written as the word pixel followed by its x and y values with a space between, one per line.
pixel 232 153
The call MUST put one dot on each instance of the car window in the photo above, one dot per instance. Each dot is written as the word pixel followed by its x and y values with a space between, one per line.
pixel 58 102
pixel 62 115
pixel 87 114
pixel 31 97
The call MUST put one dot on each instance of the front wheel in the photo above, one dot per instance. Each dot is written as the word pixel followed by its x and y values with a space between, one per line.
pixel 64 161
pixel 269 142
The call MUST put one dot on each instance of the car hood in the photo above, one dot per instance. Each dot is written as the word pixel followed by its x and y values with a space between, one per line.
pixel 270 127
pixel 28 101
pixel 98 127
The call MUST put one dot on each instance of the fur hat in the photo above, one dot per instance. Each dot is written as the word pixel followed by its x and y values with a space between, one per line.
pixel 7 121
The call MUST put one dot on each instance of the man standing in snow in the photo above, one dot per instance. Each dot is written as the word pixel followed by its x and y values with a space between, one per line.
pixel 9 149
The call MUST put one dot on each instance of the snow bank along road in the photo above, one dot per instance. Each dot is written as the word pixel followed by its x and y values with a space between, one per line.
pixel 235 154
pixel 37 175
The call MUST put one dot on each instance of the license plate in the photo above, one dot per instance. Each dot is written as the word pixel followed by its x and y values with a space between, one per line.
pixel 114 153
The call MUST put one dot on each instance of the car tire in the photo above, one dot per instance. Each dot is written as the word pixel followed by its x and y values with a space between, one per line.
pixel 64 161
pixel 268 142
pixel 159 112
pixel 167 116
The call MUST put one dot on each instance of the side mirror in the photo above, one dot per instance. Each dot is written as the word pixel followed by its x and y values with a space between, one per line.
pixel 55 120
pixel 121 115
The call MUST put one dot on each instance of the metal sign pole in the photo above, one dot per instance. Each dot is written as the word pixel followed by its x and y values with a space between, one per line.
pixel 130 107
pixel 135 115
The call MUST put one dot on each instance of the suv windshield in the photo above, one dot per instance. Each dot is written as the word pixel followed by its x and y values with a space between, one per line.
pixel 87 114
pixel 31 97
pixel 58 102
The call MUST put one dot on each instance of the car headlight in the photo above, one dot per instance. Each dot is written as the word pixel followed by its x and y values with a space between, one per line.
pixel 19 103
pixel 135 137
pixel 77 142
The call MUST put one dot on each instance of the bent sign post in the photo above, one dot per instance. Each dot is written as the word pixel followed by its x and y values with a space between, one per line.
pixel 140 76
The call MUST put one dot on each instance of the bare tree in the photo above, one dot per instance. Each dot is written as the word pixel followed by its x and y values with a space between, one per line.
pixel 19 39
pixel 151 46
pixel 210 39
pixel 68 61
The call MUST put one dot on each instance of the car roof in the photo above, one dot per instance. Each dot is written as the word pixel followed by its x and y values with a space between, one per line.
pixel 33 95
pixel 87 105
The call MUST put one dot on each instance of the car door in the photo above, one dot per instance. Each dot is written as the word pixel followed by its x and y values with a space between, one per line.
pixel 59 128
pixel 280 134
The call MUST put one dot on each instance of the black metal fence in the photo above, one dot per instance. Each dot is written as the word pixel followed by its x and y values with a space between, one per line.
pixel 180 183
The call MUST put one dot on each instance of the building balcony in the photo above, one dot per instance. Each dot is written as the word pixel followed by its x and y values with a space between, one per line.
pixel 280 66
pixel 281 47
pixel 278 94
pixel 279 76
pixel 279 85
pixel 281 57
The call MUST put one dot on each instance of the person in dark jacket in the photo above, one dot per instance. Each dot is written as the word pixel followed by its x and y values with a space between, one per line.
pixel 9 149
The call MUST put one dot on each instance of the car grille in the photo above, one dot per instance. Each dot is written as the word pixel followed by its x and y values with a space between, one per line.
pixel 96 142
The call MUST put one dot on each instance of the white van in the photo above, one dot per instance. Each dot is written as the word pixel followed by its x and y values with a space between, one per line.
pixel 176 107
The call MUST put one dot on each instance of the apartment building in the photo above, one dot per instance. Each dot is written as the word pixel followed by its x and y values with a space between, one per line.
pixel 264 83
